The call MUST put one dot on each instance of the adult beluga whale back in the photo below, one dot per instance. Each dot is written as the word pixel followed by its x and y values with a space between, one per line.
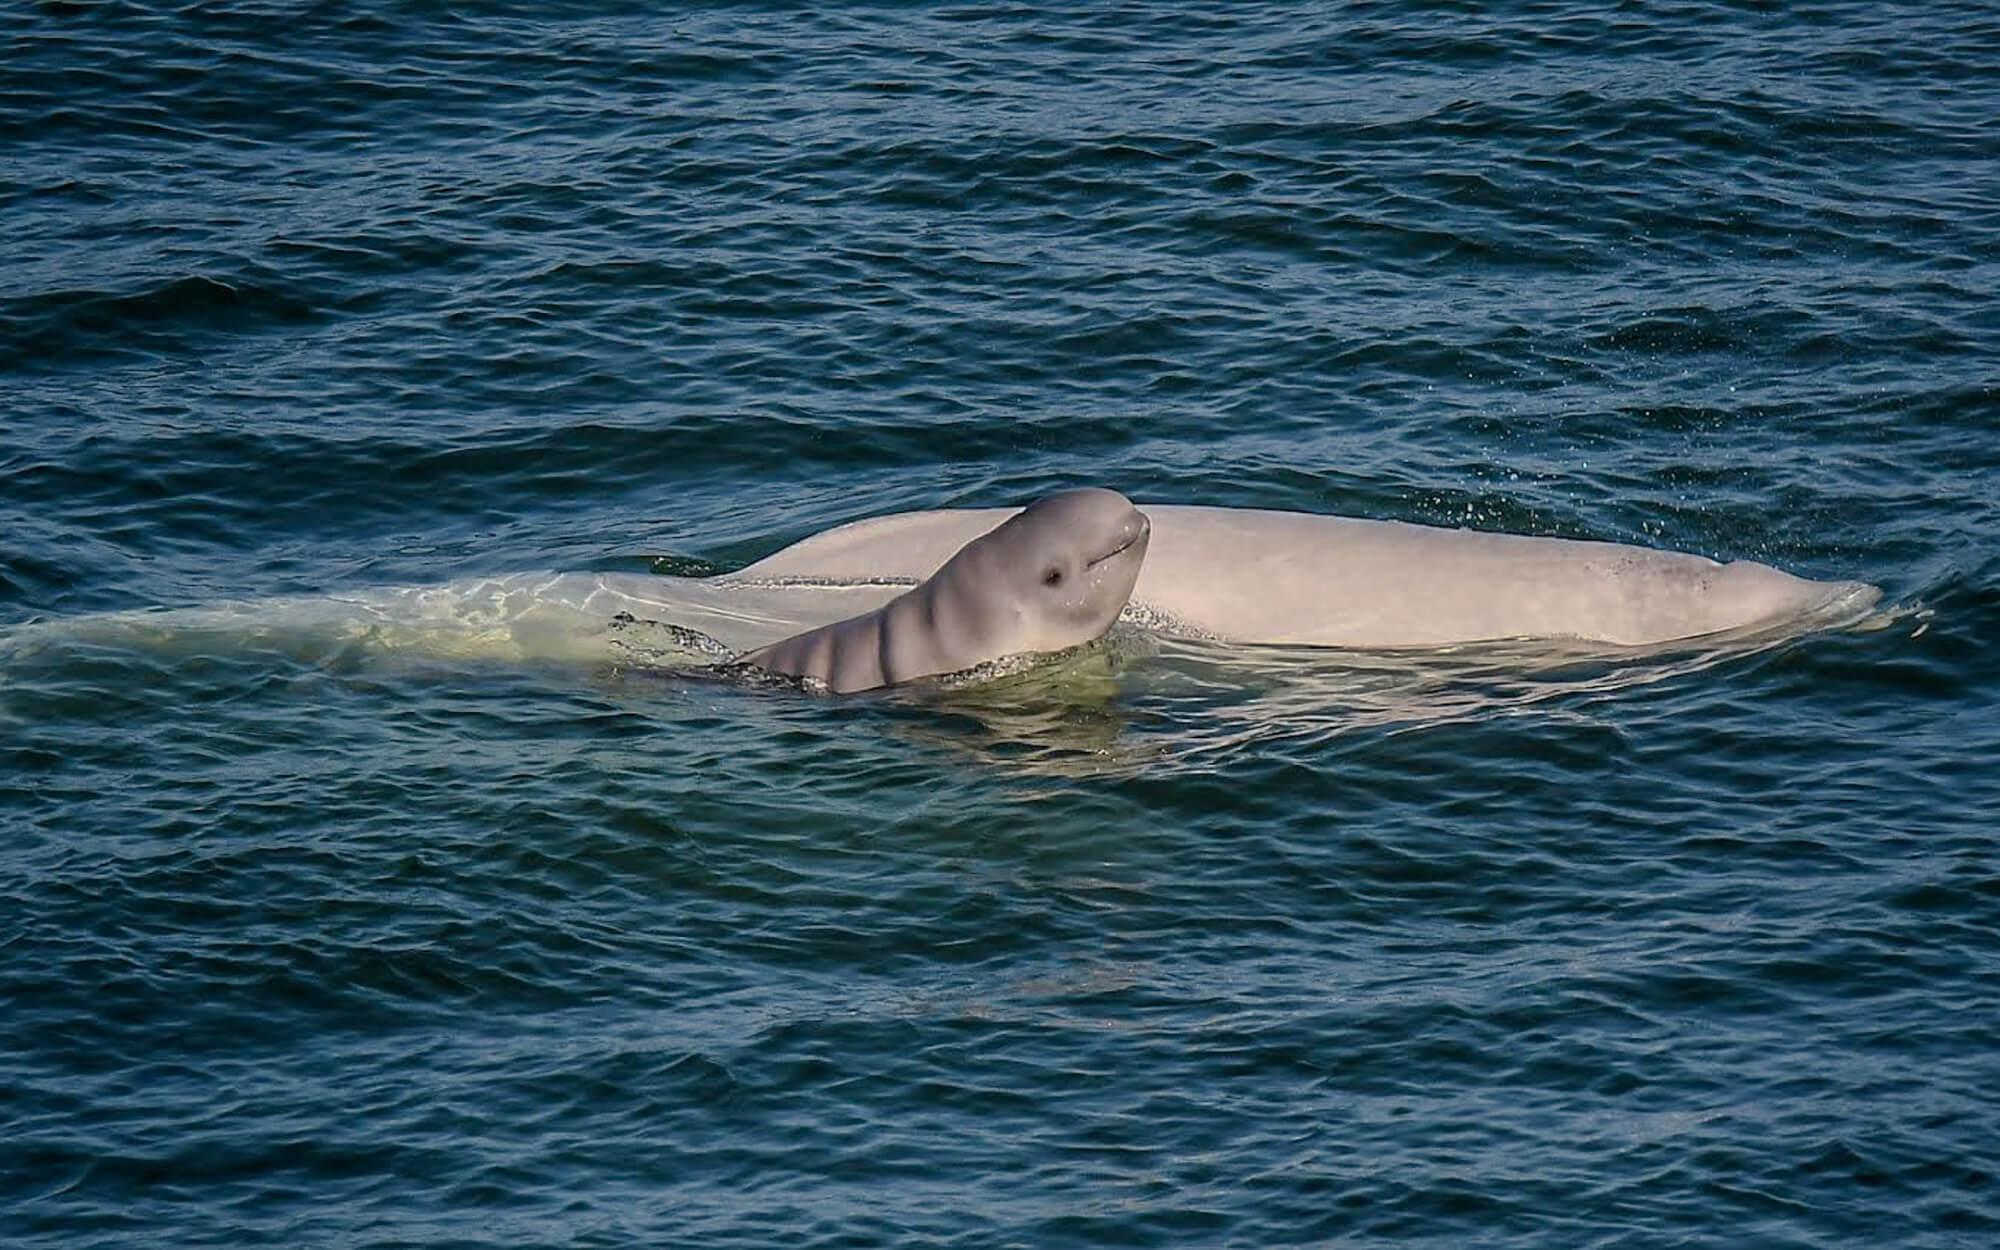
pixel 1051 576
pixel 1258 576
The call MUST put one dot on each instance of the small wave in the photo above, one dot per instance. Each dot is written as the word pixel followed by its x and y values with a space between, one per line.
pixel 175 316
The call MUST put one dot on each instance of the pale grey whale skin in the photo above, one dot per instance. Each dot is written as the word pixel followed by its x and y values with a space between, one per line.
pixel 1221 574
pixel 1051 576
pixel 1257 576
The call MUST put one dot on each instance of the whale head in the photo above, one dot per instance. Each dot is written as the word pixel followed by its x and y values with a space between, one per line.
pixel 1057 573
pixel 1053 576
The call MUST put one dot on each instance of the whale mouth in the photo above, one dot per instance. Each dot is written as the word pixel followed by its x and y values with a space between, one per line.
pixel 1145 528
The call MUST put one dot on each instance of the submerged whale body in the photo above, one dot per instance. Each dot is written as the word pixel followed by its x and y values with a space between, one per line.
pixel 1048 578
pixel 1258 576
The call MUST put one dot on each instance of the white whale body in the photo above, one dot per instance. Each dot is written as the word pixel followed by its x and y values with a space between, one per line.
pixel 1221 574
pixel 575 617
pixel 1257 576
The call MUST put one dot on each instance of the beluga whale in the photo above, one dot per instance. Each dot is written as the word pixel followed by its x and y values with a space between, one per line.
pixel 1250 575
pixel 1052 576
pixel 921 594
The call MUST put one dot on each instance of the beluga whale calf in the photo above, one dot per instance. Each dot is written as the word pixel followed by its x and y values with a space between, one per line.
pixel 1052 576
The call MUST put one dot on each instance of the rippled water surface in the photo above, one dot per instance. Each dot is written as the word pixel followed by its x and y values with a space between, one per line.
pixel 314 940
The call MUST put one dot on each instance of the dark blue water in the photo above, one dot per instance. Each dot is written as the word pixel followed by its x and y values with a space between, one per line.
pixel 1191 946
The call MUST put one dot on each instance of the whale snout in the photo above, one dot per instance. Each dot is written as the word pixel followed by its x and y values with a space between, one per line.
pixel 1131 535
pixel 1099 527
pixel 1747 594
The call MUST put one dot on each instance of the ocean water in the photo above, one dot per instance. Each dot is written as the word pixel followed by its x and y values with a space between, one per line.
pixel 313 942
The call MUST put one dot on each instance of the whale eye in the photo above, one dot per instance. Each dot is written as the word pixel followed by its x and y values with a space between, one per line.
pixel 1052 578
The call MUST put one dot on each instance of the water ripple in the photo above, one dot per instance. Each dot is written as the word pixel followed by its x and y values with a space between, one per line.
pixel 310 941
